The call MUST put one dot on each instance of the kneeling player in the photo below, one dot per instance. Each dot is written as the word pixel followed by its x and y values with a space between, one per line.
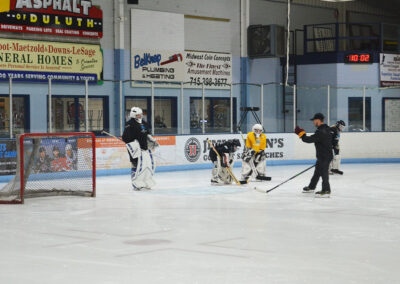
pixel 253 163
pixel 224 160
pixel 139 144
pixel 335 131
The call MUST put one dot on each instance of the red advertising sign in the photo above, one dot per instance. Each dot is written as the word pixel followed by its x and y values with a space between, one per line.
pixel 54 17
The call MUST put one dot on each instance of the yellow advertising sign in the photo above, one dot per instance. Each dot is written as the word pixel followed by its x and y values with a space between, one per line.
pixel 4 6
pixel 41 60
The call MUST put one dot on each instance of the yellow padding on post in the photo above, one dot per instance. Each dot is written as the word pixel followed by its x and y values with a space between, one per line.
pixel 4 6
pixel 302 133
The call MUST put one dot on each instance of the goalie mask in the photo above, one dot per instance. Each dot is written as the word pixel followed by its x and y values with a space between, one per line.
pixel 340 125
pixel 257 129
pixel 137 114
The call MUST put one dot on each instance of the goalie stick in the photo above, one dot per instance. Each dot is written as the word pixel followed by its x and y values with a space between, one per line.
pixel 109 134
pixel 251 163
pixel 295 176
pixel 238 182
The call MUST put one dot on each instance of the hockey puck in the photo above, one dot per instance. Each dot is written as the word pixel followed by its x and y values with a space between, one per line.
pixel 259 189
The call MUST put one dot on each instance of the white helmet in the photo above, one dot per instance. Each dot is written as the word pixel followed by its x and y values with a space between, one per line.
pixel 259 128
pixel 135 112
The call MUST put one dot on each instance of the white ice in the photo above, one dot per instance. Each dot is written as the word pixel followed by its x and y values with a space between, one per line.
pixel 185 231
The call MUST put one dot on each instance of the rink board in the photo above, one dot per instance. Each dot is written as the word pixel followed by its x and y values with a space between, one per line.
pixel 189 152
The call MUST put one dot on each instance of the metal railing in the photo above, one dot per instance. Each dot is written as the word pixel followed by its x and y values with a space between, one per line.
pixel 336 37
pixel 281 108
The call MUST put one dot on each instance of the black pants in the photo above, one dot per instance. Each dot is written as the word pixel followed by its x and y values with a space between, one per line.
pixel 321 170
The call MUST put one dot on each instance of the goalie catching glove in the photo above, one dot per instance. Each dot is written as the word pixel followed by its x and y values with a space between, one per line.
pixel 152 142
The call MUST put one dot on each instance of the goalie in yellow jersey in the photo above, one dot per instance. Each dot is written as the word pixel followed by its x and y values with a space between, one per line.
pixel 253 163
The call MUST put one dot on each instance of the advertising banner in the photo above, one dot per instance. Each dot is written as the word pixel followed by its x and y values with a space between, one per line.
pixel 186 150
pixel 112 154
pixel 61 155
pixel 52 17
pixel 195 149
pixel 8 157
pixel 57 155
pixel 41 60
pixel 389 70
pixel 150 65
pixel 214 70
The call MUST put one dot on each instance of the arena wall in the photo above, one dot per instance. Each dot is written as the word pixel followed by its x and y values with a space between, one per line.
pixel 191 151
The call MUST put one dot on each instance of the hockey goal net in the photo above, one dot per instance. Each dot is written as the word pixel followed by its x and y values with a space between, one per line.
pixel 51 164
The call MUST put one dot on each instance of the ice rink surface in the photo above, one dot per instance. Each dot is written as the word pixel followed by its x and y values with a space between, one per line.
pixel 185 231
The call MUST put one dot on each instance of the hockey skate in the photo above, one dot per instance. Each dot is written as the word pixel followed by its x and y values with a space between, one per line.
pixel 263 178
pixel 323 194
pixel 308 190
pixel 335 171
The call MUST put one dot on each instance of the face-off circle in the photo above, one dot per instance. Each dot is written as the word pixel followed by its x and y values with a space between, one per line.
pixel 192 149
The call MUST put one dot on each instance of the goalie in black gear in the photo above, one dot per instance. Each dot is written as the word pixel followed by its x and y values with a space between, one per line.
pixel 254 159
pixel 139 143
pixel 226 150
pixel 335 131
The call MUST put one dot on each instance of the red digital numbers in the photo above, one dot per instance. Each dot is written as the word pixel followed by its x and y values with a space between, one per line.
pixel 364 57
pixel 354 58
pixel 359 58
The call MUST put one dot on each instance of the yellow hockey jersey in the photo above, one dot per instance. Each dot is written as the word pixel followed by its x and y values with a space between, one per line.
pixel 257 144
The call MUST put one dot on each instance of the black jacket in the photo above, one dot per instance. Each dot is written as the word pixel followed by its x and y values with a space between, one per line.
pixel 136 131
pixel 323 142
pixel 335 139
pixel 221 149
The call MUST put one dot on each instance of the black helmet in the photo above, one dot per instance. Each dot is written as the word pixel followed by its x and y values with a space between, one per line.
pixel 340 125
pixel 42 149
pixel 340 122
pixel 232 143
pixel 236 142
pixel 55 148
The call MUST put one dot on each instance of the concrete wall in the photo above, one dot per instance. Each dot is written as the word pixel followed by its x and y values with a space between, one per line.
pixel 349 80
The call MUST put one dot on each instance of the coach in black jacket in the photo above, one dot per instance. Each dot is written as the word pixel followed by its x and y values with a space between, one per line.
pixel 322 139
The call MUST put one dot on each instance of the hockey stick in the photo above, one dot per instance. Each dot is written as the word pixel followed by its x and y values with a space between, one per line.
pixel 238 182
pixel 263 191
pixel 109 134
pixel 251 163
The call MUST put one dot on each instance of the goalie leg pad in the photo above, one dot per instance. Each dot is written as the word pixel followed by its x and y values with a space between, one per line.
pixel 214 172
pixel 336 162
pixel 220 174
pixel 225 176
pixel 246 170
pixel 142 175
pixel 261 168
pixel 134 149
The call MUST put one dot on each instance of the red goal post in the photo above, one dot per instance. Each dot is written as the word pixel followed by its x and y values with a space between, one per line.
pixel 51 164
